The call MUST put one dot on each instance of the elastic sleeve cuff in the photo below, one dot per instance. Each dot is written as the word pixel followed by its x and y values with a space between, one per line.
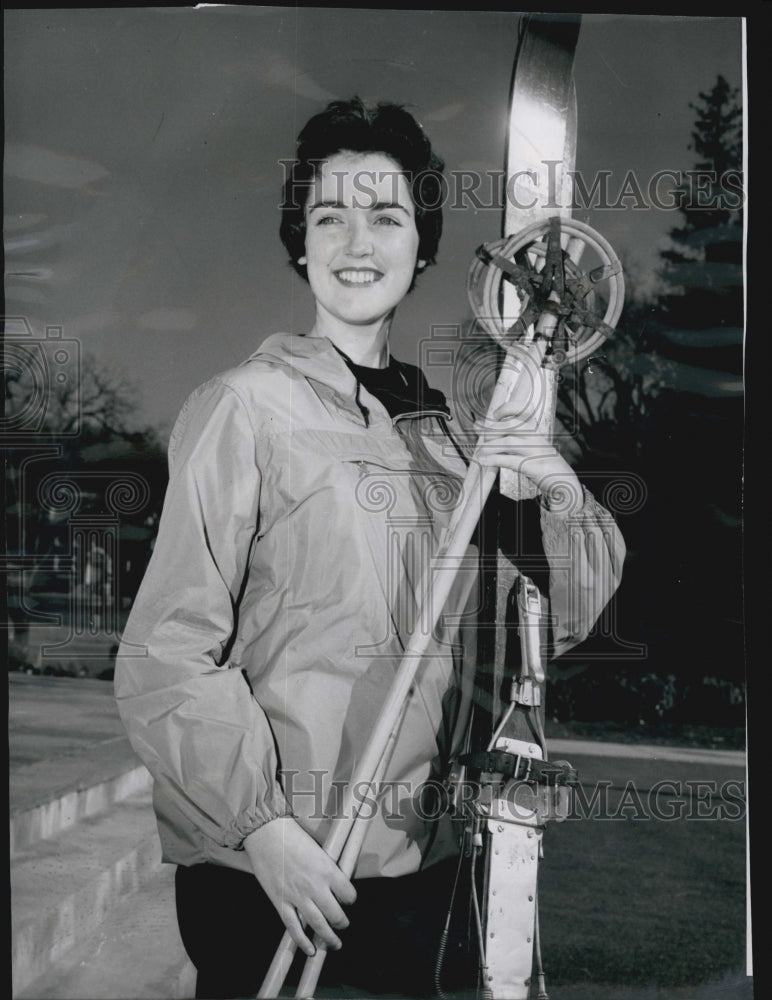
pixel 563 506
pixel 250 820
pixel 557 524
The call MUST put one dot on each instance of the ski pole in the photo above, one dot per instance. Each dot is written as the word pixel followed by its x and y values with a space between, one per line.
pixel 348 859
pixel 437 582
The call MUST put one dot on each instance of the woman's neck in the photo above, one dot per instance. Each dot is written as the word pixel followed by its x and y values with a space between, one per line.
pixel 364 345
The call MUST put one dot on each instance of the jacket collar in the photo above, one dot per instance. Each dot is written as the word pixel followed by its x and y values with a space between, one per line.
pixel 317 359
pixel 313 357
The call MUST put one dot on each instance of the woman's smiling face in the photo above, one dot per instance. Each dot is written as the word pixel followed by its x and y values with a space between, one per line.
pixel 361 237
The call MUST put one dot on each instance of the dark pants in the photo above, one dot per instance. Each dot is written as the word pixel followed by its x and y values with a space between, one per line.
pixel 231 930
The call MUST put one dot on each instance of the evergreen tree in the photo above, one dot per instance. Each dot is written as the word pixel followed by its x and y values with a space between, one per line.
pixel 663 402
pixel 704 262
pixel 700 458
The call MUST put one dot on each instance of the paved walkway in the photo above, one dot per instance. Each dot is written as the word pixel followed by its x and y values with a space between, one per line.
pixel 641 751
pixel 65 733
pixel 50 715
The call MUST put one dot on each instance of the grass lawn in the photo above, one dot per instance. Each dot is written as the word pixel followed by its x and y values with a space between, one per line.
pixel 638 907
pixel 648 902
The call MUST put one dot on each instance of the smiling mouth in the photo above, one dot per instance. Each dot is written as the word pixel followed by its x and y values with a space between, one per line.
pixel 356 276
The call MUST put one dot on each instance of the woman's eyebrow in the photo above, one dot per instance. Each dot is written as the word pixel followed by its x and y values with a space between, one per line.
pixel 380 205
pixel 377 206
pixel 325 204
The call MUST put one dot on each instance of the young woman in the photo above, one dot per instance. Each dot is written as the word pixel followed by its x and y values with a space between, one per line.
pixel 307 487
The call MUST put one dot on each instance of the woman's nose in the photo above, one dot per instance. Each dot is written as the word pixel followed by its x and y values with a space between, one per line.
pixel 360 242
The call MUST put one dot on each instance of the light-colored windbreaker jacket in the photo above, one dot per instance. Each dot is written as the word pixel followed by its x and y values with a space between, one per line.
pixel 269 624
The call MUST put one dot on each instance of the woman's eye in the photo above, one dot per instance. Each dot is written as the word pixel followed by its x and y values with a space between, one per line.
pixel 387 220
pixel 327 220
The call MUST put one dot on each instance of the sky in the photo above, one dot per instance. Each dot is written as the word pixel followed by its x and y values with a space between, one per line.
pixel 143 149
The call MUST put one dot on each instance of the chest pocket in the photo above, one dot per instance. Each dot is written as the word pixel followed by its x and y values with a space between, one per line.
pixel 405 491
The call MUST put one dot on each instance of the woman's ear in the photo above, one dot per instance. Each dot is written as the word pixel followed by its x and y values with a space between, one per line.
pixel 302 261
pixel 420 265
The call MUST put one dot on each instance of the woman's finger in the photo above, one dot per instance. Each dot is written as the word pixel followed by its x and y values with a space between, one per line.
pixel 501 461
pixel 292 922
pixel 507 438
pixel 333 912
pixel 343 888
pixel 315 919
pixel 538 463
pixel 531 450
pixel 523 423
pixel 518 411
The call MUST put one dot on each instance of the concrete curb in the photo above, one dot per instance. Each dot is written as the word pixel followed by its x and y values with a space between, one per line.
pixel 63 889
pixel 65 810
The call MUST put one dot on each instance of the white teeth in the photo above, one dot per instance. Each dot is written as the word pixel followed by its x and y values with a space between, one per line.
pixel 357 277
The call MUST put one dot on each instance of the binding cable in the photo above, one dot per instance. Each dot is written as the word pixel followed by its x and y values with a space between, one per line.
pixel 486 993
pixel 541 979
pixel 446 934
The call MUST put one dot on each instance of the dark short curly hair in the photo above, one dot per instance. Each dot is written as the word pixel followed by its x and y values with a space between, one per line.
pixel 352 126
